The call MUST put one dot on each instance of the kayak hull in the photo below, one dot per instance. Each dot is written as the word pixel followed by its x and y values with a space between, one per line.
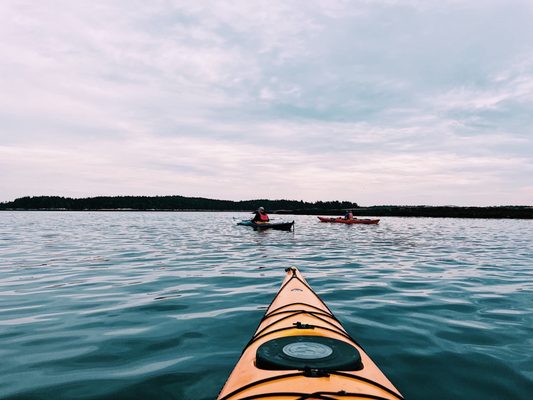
pixel 297 314
pixel 364 221
pixel 281 226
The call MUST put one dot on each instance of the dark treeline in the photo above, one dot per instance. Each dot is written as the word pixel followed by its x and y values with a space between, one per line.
pixel 164 203
pixel 171 203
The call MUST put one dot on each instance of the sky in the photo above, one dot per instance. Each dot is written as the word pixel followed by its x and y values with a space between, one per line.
pixel 376 102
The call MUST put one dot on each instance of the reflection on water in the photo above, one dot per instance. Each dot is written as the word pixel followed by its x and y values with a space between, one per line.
pixel 159 305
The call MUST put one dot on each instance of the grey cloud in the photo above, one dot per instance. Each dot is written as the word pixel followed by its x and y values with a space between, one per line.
pixel 430 96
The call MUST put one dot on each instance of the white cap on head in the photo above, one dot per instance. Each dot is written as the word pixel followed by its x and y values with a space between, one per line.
pixel 260 209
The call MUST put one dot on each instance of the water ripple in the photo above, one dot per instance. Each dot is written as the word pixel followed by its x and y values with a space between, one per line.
pixel 143 305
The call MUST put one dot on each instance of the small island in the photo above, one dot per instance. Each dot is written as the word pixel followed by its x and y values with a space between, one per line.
pixel 182 203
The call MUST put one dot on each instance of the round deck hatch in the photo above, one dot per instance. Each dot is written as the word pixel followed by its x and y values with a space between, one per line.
pixel 308 352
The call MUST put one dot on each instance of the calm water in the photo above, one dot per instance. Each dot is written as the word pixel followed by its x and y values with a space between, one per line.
pixel 159 305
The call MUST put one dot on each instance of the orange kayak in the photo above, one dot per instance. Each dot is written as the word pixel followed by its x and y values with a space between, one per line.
pixel 367 221
pixel 301 351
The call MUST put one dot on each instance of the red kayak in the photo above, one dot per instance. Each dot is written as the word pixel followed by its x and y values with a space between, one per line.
pixel 350 221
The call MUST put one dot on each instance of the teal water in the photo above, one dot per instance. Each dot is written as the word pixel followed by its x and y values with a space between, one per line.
pixel 159 305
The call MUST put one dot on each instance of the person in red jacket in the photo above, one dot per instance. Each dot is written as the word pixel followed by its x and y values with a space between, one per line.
pixel 261 215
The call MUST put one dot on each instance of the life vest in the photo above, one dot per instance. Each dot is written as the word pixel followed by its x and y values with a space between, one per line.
pixel 264 217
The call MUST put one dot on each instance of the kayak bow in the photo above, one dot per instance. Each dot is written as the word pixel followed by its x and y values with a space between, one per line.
pixel 301 351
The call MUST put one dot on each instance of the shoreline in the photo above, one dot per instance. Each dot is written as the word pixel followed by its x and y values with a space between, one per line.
pixel 176 203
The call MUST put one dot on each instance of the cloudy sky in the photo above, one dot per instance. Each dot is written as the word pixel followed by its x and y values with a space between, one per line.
pixel 377 102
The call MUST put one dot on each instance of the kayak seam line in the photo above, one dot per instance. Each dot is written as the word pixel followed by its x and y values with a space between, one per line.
pixel 297 312
pixel 256 338
pixel 301 374
pixel 316 395
pixel 300 309
pixel 281 289
pixel 294 276
pixel 284 394
pixel 379 385
pixel 316 295
pixel 305 304
pixel 343 394
pixel 259 382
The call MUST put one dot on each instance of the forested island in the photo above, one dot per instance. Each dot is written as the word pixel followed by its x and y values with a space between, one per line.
pixel 181 203
pixel 164 203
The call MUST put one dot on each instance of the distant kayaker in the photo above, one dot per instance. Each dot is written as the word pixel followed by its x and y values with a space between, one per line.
pixel 348 215
pixel 261 215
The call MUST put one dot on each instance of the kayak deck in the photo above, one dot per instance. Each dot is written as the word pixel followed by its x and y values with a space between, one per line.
pixel 301 351
pixel 283 226
pixel 366 221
